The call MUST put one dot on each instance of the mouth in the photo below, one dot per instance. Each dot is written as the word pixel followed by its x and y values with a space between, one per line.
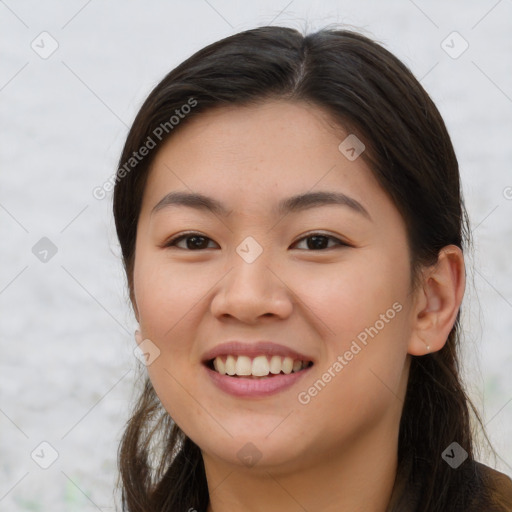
pixel 259 367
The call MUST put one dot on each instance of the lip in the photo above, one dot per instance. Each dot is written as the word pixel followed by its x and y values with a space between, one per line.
pixel 255 388
pixel 258 348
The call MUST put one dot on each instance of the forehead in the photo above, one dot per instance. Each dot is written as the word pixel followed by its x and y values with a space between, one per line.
pixel 253 131
pixel 247 155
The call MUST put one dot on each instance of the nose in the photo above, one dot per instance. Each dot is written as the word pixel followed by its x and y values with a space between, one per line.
pixel 251 291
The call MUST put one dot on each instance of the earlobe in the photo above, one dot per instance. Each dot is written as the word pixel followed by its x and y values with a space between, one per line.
pixel 438 302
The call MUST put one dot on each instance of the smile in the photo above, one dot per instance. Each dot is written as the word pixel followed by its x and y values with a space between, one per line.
pixel 255 377
pixel 261 366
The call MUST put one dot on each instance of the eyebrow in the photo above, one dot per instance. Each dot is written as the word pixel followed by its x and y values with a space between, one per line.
pixel 293 204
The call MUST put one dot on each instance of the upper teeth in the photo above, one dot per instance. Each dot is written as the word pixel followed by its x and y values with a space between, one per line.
pixel 258 366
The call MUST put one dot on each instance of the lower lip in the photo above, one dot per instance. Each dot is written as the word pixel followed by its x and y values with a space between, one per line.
pixel 242 387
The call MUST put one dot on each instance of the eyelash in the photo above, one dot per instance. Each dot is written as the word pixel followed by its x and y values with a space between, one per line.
pixel 173 241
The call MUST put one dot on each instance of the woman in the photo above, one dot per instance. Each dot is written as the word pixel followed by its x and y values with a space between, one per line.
pixel 292 229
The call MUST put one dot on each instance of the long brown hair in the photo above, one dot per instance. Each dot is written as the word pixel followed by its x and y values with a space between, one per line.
pixel 371 93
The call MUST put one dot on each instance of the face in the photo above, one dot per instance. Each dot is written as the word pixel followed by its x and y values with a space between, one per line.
pixel 319 280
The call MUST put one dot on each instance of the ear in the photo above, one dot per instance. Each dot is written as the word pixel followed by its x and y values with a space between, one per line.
pixel 437 303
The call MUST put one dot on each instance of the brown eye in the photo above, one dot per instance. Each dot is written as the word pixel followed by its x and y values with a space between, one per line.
pixel 319 241
pixel 197 241
pixel 193 241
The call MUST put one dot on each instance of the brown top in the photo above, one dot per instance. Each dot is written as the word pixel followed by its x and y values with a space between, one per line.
pixel 491 491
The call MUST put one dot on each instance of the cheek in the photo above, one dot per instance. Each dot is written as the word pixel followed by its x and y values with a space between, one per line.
pixel 363 309
pixel 361 382
pixel 166 300
pixel 164 297
pixel 350 297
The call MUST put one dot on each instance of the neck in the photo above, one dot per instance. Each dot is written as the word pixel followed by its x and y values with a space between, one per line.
pixel 356 479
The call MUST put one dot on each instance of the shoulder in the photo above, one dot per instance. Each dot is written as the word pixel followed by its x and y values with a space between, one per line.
pixel 496 491
pixel 484 490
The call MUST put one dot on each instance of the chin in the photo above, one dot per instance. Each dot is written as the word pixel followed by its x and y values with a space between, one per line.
pixel 255 452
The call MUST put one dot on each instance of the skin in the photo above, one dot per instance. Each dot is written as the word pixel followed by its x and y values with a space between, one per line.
pixel 339 451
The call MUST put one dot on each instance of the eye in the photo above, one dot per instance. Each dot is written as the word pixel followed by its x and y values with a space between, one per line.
pixel 194 241
pixel 320 241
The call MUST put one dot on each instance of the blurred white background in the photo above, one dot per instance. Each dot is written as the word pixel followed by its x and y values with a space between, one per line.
pixel 67 368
